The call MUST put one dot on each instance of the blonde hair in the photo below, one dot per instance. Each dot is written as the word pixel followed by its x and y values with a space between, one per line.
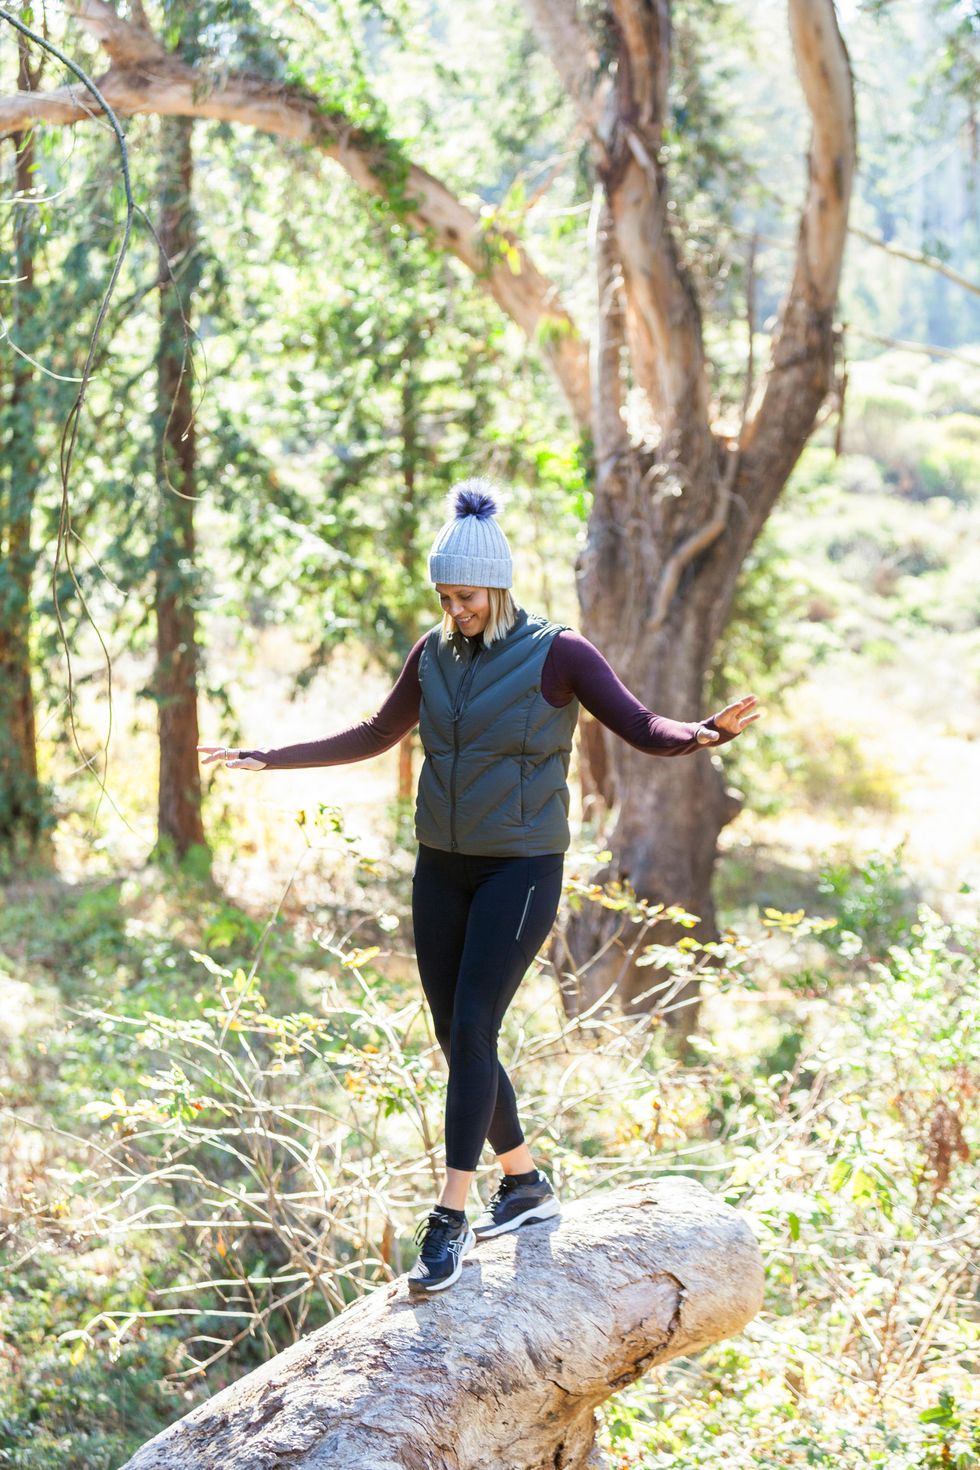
pixel 503 613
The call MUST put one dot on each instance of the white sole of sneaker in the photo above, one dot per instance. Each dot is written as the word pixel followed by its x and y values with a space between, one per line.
pixel 422 1288
pixel 544 1211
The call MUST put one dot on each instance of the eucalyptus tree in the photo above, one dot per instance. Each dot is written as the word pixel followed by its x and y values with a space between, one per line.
pixel 679 494
pixel 176 574
pixel 22 806
pixel 50 280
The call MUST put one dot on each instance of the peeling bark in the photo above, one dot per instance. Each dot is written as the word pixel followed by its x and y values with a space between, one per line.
pixel 503 1371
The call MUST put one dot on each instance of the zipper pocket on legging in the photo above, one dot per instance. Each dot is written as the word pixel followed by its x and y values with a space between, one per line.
pixel 527 905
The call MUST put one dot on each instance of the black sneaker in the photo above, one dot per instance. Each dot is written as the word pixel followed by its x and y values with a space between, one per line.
pixel 513 1204
pixel 445 1242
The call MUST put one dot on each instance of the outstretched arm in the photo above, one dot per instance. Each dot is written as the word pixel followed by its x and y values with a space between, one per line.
pixel 575 667
pixel 398 715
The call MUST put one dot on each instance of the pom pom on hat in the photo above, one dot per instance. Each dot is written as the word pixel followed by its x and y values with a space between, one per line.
pixel 471 547
pixel 474 498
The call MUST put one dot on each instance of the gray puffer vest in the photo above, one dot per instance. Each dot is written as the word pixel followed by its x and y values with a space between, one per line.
pixel 494 779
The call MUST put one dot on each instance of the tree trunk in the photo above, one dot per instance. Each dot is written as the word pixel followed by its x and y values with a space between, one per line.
pixel 179 798
pixel 22 807
pixel 504 1370
pixel 675 516
pixel 665 814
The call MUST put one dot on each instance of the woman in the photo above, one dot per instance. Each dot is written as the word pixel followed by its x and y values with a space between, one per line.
pixel 495 691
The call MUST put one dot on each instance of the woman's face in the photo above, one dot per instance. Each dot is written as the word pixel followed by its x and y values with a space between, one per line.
pixel 469 606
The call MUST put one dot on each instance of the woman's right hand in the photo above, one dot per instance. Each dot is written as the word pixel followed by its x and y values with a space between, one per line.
pixel 230 758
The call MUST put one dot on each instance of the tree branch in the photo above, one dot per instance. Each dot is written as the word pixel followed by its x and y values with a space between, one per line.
pixel 663 317
pixel 707 534
pixel 917 257
pixel 924 348
pixel 563 34
pixel 610 435
pixel 126 42
pixel 144 78
pixel 801 366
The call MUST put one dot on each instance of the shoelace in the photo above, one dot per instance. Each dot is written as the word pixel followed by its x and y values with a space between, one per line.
pixel 432 1230
pixel 503 1188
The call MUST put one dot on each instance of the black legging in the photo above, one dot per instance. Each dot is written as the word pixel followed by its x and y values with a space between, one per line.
pixel 479 922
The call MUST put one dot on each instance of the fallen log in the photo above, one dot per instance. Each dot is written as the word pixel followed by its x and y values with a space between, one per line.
pixel 502 1371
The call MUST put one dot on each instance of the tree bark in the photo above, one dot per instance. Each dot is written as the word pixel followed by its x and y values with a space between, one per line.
pixel 504 1370
pixel 675 516
pixel 179 791
pixel 664 814
pixel 22 814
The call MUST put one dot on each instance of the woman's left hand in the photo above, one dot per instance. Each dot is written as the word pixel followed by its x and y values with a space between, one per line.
pixel 734 717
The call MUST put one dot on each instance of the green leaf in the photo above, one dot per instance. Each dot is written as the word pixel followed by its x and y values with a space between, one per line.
pixel 938 1414
pixel 840 1172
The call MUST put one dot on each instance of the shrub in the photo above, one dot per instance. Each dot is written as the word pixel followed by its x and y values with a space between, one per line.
pixel 837 771
pixel 859 474
pixel 855 1159
pixel 951 465
pixel 950 388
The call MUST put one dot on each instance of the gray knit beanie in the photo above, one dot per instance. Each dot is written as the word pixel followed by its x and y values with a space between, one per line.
pixel 471 549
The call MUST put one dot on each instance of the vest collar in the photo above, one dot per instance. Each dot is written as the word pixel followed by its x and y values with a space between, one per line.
pixel 465 646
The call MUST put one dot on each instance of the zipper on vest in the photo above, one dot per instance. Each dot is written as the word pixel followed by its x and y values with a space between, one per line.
pixel 527 905
pixel 457 711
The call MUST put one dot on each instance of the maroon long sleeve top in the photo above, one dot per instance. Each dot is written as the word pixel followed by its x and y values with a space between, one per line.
pixel 574 668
